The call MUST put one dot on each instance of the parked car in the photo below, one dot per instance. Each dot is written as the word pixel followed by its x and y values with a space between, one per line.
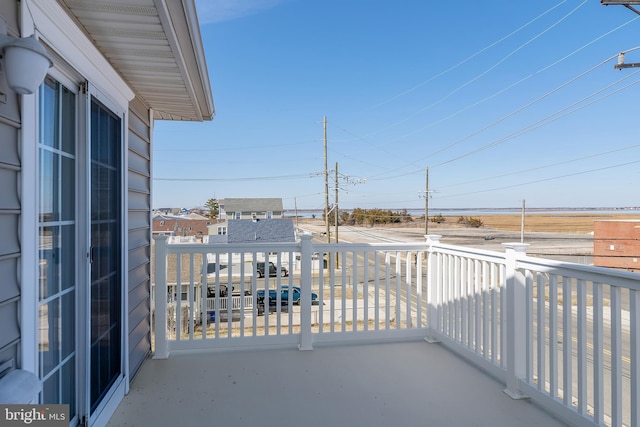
pixel 284 296
pixel 214 270
pixel 273 270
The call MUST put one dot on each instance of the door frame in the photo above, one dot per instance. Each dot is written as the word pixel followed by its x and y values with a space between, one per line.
pixel 111 401
pixel 73 51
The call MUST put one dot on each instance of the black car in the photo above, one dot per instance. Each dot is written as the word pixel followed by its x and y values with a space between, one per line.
pixel 273 270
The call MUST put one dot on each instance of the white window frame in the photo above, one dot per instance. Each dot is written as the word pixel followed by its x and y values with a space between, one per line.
pixel 54 27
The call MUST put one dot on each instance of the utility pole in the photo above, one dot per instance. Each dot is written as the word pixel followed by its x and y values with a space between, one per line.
pixel 326 184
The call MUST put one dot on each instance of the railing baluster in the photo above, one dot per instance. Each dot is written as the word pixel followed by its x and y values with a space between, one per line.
pixel 461 317
pixel 387 290
pixel 192 293
pixel 567 341
pixel 242 293
pixel 420 295
pixel 332 291
pixel 582 347
pixel 634 355
pixel 279 302
pixel 178 297
pixel 321 258
pixel 541 342
pixel 254 296
pixel 354 292
pixel 495 339
pixel 553 336
pixel 456 299
pixel 306 255
pixel 229 294
pixel 407 274
pixel 344 293
pixel 376 281
pixel 485 309
pixel 616 356
pixel 598 384
pixel 530 322
pixel 216 297
pixel 365 289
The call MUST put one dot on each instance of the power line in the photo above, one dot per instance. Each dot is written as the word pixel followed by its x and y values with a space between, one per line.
pixel 544 121
pixel 541 167
pixel 483 73
pixel 505 117
pixel 541 180
pixel 512 85
pixel 467 59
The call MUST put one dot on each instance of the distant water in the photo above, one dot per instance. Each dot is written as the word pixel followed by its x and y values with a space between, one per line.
pixel 308 213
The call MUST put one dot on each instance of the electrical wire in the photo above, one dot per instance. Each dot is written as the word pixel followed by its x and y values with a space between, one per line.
pixel 512 85
pixel 459 88
pixel 541 180
pixel 498 121
pixel 467 59
pixel 541 167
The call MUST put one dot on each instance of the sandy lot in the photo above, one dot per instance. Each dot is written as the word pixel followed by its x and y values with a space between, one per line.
pixel 555 223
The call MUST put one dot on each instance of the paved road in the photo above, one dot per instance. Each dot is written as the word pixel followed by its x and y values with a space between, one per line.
pixel 557 246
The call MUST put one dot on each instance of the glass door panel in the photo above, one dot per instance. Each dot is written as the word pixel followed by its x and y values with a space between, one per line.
pixel 57 224
pixel 106 252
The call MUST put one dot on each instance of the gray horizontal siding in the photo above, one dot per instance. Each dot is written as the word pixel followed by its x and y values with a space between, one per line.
pixel 139 231
pixel 10 209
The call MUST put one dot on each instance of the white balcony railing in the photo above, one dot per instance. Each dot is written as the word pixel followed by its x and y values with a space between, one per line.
pixel 565 335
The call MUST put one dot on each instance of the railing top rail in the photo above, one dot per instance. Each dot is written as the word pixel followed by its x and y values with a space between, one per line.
pixel 610 276
pixel 481 254
pixel 339 247
pixel 232 247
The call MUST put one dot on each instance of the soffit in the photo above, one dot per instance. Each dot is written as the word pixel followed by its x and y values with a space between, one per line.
pixel 156 47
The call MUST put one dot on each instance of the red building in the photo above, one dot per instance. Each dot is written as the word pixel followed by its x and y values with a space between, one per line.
pixel 616 244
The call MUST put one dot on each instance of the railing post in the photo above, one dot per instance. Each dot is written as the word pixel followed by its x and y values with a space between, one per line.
pixel 160 298
pixel 516 320
pixel 306 338
pixel 433 303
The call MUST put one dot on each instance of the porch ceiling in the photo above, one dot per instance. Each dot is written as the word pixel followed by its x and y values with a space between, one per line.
pixel 156 47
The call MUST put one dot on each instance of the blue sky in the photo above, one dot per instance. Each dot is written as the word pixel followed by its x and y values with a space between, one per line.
pixel 503 101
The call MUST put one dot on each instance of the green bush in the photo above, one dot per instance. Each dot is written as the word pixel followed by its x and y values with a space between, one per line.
pixel 439 219
pixel 470 221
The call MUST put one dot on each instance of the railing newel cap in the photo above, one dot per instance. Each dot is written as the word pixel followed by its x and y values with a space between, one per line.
pixel 516 246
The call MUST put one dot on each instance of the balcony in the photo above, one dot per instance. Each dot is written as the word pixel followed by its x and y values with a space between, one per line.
pixel 389 334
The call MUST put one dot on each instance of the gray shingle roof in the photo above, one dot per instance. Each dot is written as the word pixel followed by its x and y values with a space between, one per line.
pixel 263 230
pixel 253 205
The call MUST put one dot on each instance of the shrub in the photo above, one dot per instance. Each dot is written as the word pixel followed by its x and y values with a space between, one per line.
pixel 470 221
pixel 439 219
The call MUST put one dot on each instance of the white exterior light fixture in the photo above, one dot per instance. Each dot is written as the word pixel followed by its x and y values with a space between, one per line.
pixel 24 61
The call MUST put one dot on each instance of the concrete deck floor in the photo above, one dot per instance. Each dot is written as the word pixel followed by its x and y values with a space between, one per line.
pixel 392 384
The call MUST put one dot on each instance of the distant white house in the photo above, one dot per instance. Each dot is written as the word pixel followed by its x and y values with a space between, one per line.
pixel 247 208
pixel 251 208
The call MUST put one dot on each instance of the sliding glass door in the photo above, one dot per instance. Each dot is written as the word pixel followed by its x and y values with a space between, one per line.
pixel 106 252
pixel 80 298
